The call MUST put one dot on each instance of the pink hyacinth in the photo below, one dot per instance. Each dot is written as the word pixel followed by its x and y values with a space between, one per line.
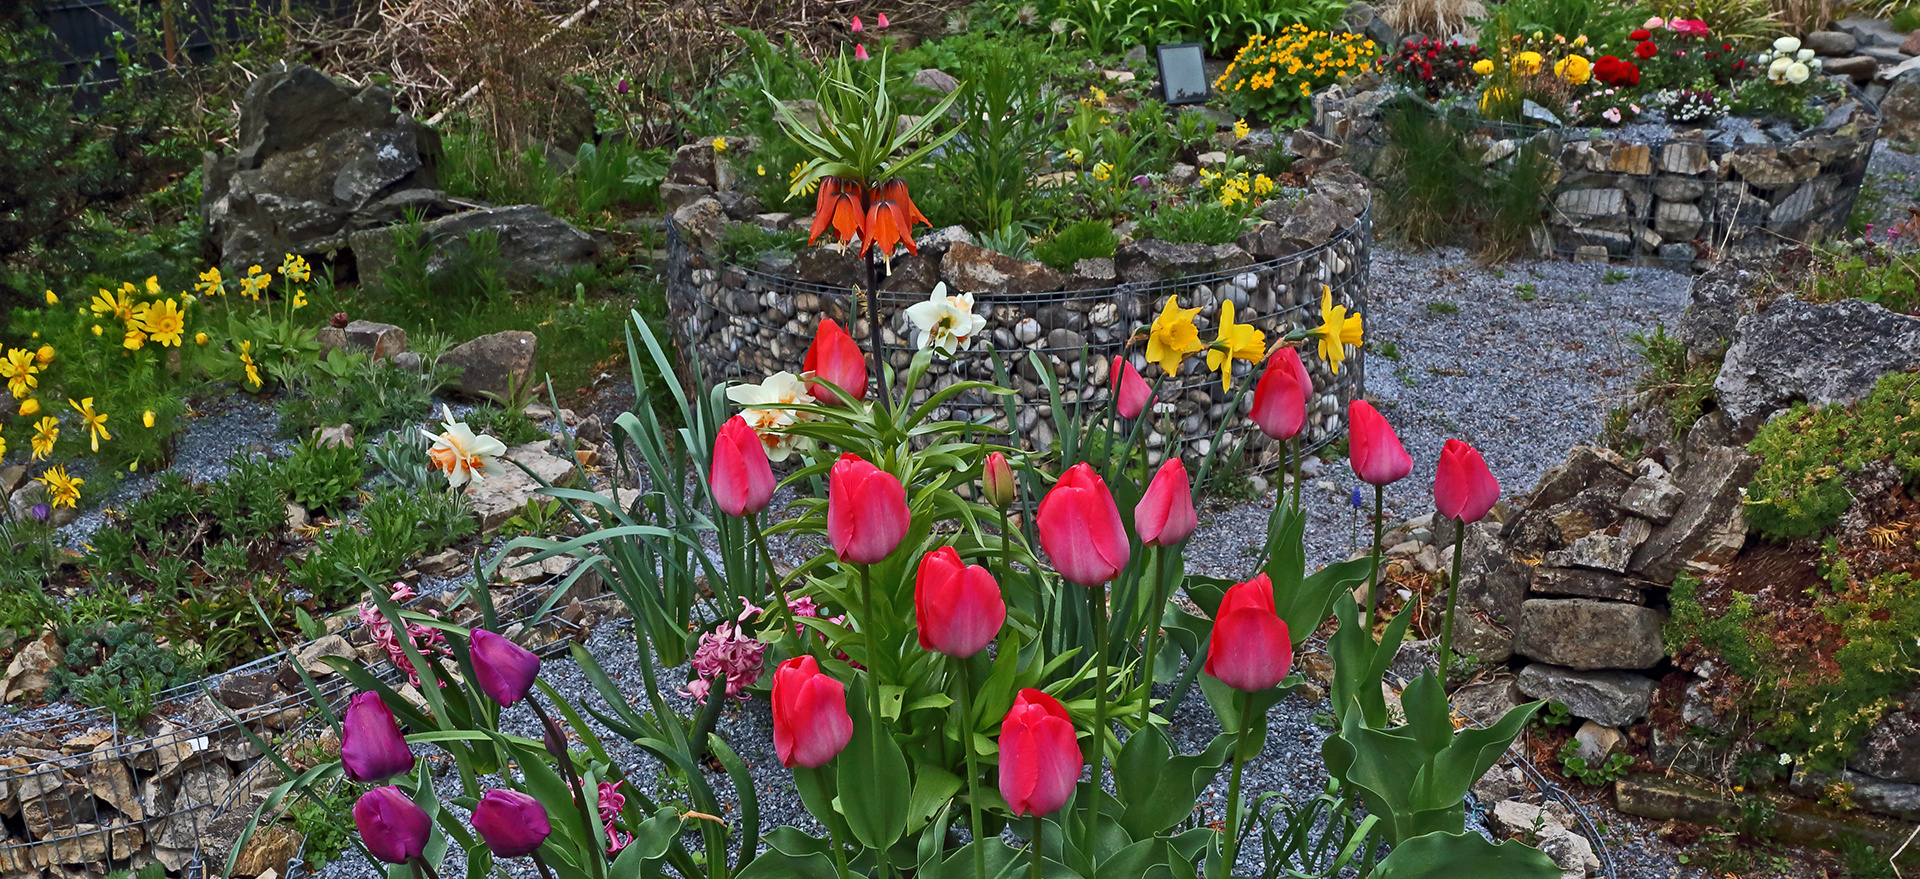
pixel 427 640
pixel 611 802
pixel 726 652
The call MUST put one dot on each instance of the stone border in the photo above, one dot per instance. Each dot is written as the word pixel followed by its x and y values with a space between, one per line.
pixel 1744 191
pixel 741 322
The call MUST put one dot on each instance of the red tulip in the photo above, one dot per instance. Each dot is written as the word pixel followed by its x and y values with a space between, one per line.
pixel 1040 759
pixel 860 52
pixel 371 747
pixel 810 721
pixel 1280 400
pixel 835 357
pixel 741 478
pixel 1250 649
pixel 1080 528
pixel 1130 392
pixel 996 480
pixel 857 26
pixel 504 670
pixel 1372 447
pixel 866 511
pixel 511 823
pixel 1463 488
pixel 394 828
pixel 882 23
pixel 957 605
pixel 1165 514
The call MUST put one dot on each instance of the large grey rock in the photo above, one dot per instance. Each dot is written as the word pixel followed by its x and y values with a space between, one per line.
pixel 1609 698
pixel 1572 500
pixel 493 366
pixel 315 158
pixel 1311 222
pixel 1598 552
pixel 497 498
pixel 1485 702
pixel 1891 748
pixel 1796 351
pixel 1900 109
pixel 1653 498
pixel 530 246
pixel 1710 526
pixel 1491 581
pixel 1832 44
pixel 1868 792
pixel 1551 580
pixel 1586 634
pixel 968 268
pixel 1719 299
pixel 1150 259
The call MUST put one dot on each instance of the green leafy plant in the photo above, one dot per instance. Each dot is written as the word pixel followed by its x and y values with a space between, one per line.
pixel 1614 766
pixel 509 426
pixel 1808 453
pixel 1086 239
pixel 1199 222
pixel 120 668
pixel 320 476
pixel 745 243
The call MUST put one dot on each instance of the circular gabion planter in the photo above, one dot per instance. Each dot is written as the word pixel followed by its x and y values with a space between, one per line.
pixel 1658 194
pixel 745 322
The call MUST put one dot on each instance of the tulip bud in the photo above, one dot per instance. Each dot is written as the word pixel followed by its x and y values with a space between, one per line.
pixel 996 480
pixel 867 512
pixel 1463 488
pixel 957 605
pixel 1250 649
pixel 511 823
pixel 857 26
pixel 860 52
pixel 741 477
pixel 882 23
pixel 1040 759
pixel 1373 448
pixel 394 828
pixel 371 747
pixel 1165 515
pixel 504 670
pixel 835 357
pixel 1280 400
pixel 1080 528
pixel 1130 392
pixel 810 720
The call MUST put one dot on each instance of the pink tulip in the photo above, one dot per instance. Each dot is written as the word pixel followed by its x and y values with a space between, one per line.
pixel 1080 528
pixel 996 480
pixel 1040 759
pixel 857 26
pixel 1250 649
pixel 1372 447
pixel 883 21
pixel 741 477
pixel 866 511
pixel 1280 400
pixel 810 720
pixel 511 823
pixel 835 357
pixel 1463 488
pixel 1130 392
pixel 394 828
pixel 371 747
pixel 957 605
pixel 504 670
pixel 1165 515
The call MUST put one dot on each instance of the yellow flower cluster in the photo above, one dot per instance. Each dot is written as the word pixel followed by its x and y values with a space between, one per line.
pixel 1297 58
pixel 161 321
pixel 1237 187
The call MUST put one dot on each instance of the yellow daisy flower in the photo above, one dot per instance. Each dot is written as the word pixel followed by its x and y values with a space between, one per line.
pixel 62 490
pixel 96 422
pixel 45 433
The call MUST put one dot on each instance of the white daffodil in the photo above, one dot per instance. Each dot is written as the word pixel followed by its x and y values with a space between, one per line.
pixel 946 322
pixel 1798 73
pixel 463 455
pixel 765 406
pixel 1787 45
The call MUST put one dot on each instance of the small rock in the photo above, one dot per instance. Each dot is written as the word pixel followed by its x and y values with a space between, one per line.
pixel 336 436
pixel 494 366
pixel 27 675
pixel 1587 634
pixel 1595 743
pixel 1832 44
pixel 936 79
pixel 1600 552
pixel 379 340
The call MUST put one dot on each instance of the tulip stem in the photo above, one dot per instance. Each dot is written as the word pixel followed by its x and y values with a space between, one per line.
pixel 542 865
pixel 1373 579
pixel 1453 596
pixel 1097 747
pixel 1036 847
pixel 588 825
pixel 779 589
pixel 1231 851
pixel 869 626
pixel 1297 475
pixel 839 857
pixel 422 869
pixel 1161 592
pixel 1006 553
pixel 973 774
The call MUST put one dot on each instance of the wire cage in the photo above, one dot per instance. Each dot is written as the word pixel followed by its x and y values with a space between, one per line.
pixel 745 322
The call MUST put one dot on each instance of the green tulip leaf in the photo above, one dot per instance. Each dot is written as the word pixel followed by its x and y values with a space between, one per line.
pixel 1453 855
pixel 871 775
pixel 933 788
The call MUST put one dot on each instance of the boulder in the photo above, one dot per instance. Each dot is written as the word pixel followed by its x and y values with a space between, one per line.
pixel 968 268
pixel 1490 580
pixel 315 159
pixel 1710 525
pixel 1599 552
pixel 1796 351
pixel 1718 300
pixel 529 246
pixel 1149 260
pixel 493 366
pixel 380 341
pixel 1552 580
pixel 936 79
pixel 497 498
pixel 1900 109
pixel 28 674
pixel 1594 742
pixel 1313 221
pixel 1609 698
pixel 1653 498
pixel 1571 500
pixel 1832 44
pixel 1485 702
pixel 1586 634
pixel 1890 751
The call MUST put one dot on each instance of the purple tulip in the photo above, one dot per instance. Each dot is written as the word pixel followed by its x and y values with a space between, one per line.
pixel 371 747
pixel 393 827
pixel 503 669
pixel 511 823
pixel 622 87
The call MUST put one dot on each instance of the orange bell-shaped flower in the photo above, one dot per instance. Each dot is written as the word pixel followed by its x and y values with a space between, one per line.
pixel 840 205
pixel 890 220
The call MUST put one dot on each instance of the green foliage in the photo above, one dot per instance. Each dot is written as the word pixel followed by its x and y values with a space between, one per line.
pixel 1198 222
pixel 745 243
pixel 1728 632
pixel 1808 453
pixel 121 668
pixel 583 187
pixel 1009 239
pixel 1881 275
pixel 1670 381
pixel 352 387
pixel 1434 185
pixel 1110 26
pixel 1086 239
pixel 1614 766
pixel 1599 20
pixel 325 826
pixel 509 426
pixel 319 477
pixel 422 275
pixel 1003 114
pixel 401 459
pixel 248 504
pixel 1906 19
pixel 394 525
pixel 539 518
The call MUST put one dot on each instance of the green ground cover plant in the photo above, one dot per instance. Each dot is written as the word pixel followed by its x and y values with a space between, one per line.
pixel 1809 452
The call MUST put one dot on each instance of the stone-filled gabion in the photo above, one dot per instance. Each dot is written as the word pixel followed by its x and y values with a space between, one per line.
pixel 746 322
pixel 1659 194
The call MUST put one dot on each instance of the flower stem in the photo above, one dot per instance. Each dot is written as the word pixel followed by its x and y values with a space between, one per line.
pixel 1373 579
pixel 973 774
pixel 868 625
pixel 1036 847
pixel 873 331
pixel 1453 596
pixel 1231 850
pixel 779 590
pixel 545 873
pixel 565 758
pixel 839 857
pixel 1097 746
pixel 1161 592
pixel 1297 475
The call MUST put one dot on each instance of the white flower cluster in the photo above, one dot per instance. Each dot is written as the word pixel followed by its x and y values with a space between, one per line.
pixel 1788 63
pixel 1689 105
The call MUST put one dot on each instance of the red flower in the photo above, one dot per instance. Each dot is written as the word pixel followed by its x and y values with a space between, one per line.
pixel 810 721
pixel 1165 513
pixel 836 358
pixel 839 204
pixel 1463 488
pixel 956 606
pixel 1080 528
pixel 1280 400
pixel 1640 34
pixel 1250 649
pixel 1130 392
pixel 1040 759
pixel 891 218
pixel 867 512
pixel 741 478
pixel 1372 447
pixel 1646 49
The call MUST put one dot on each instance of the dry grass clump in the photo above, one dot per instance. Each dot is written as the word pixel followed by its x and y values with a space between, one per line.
pixel 1434 18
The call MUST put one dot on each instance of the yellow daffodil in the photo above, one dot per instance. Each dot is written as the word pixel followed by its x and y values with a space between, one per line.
pixel 44 355
pixel 146 418
pixel 1336 331
pixel 1234 342
pixel 96 422
pixel 210 283
pixel 119 305
pixel 153 285
pixel 295 268
pixel 52 299
pixel 1173 337
pixel 1241 129
pixel 30 406
pixel 719 144
pixel 45 433
pixel 200 339
pixel 62 490
pixel 19 369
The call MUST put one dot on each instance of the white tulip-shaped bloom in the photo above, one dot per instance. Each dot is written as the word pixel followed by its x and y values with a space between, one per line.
pixel 460 453
pixel 945 322
pixel 1798 73
pixel 765 407
pixel 1788 45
